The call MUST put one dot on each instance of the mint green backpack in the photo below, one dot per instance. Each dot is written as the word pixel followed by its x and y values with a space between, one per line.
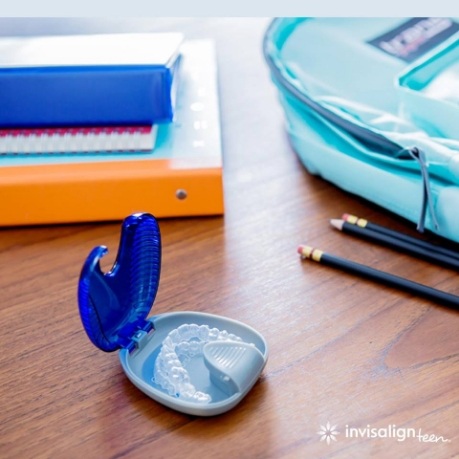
pixel 372 105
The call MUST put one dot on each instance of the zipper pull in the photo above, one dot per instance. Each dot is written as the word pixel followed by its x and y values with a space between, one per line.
pixel 427 200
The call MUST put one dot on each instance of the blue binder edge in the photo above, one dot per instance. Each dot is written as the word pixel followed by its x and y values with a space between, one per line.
pixel 88 95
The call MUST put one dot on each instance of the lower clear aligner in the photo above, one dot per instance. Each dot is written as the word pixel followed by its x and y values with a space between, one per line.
pixel 181 345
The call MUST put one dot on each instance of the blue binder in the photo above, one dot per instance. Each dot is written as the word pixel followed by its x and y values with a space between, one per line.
pixel 83 80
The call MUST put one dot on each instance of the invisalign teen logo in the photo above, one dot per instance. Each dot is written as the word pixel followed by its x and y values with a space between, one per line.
pixel 328 433
pixel 392 431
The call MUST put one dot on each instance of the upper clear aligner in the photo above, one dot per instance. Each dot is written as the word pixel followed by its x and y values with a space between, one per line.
pixel 181 345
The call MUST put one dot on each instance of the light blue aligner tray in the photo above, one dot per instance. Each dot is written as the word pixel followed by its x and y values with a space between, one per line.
pixel 224 377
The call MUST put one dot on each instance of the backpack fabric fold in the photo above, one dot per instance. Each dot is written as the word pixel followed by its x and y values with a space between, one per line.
pixel 372 105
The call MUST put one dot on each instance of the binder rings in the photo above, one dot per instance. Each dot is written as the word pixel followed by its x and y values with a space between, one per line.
pixel 92 139
pixel 182 176
pixel 81 80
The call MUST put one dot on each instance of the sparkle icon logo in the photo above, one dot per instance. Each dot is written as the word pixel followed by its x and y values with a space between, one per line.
pixel 328 433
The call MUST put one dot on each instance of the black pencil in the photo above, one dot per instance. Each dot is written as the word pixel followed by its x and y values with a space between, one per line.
pixel 395 243
pixel 363 223
pixel 438 296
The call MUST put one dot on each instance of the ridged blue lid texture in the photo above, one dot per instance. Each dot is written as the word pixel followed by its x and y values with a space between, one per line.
pixel 114 305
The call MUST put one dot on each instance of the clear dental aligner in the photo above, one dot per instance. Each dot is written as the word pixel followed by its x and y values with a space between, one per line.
pixel 181 345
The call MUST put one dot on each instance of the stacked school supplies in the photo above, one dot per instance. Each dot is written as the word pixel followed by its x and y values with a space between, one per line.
pixel 86 93
pixel 367 109
pixel 162 94
pixel 422 249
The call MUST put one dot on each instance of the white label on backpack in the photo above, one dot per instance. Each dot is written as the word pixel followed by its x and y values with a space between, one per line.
pixel 415 37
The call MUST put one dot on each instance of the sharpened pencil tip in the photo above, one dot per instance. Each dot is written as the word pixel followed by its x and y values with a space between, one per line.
pixel 336 223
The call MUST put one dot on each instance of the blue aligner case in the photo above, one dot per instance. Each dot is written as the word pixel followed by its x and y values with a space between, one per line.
pixel 196 363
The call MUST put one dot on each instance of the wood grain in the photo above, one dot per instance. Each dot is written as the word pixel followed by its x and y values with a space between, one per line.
pixel 342 349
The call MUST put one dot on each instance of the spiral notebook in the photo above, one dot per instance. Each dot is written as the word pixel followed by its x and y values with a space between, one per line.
pixel 68 140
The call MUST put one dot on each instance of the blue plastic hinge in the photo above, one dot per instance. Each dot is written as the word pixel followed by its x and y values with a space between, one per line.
pixel 138 340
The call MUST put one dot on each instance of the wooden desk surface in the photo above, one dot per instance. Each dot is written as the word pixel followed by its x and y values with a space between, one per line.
pixel 342 350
